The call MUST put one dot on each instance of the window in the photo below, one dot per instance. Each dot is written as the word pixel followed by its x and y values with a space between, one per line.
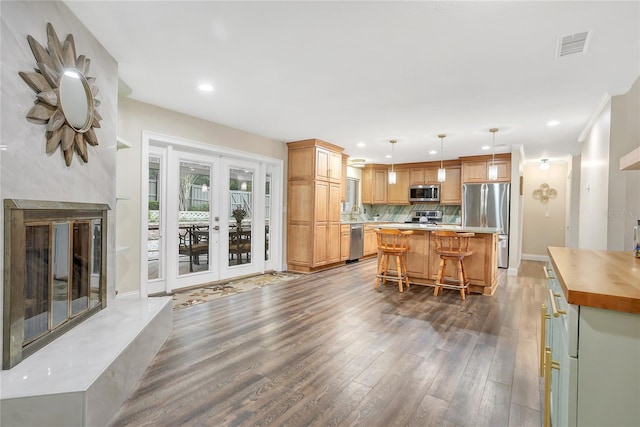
pixel 352 198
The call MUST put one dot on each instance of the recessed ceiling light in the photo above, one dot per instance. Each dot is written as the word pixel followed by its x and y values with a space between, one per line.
pixel 205 87
pixel 553 123
pixel 388 156
pixel 3 148
pixel 433 152
pixel 486 147
pixel 361 144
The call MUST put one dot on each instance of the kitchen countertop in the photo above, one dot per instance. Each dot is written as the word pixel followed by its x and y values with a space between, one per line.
pixel 442 227
pixel 596 278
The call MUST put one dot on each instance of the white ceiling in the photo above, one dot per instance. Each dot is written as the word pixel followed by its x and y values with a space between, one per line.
pixel 349 72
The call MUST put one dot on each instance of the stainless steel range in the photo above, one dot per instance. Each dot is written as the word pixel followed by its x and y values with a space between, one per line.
pixel 429 217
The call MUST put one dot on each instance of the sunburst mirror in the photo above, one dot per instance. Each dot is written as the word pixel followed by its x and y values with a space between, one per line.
pixel 65 96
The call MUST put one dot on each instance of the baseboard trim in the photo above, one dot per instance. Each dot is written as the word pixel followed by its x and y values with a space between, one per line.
pixel 130 294
pixel 532 257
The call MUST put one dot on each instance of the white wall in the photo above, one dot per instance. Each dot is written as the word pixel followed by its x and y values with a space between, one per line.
pixel 573 210
pixel 624 186
pixel 594 184
pixel 544 223
pixel 516 214
pixel 26 171
pixel 610 198
pixel 135 117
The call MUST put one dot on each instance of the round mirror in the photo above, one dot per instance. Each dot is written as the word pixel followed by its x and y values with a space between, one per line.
pixel 76 100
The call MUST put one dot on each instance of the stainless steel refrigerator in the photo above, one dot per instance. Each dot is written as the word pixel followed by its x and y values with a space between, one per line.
pixel 487 205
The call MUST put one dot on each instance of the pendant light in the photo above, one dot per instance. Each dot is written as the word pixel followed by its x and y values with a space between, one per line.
pixel 442 173
pixel 493 169
pixel 392 173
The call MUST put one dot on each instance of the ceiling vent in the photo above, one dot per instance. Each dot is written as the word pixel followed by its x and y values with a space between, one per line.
pixel 572 44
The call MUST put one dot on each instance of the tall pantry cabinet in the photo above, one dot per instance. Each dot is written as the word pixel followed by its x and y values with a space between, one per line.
pixel 313 204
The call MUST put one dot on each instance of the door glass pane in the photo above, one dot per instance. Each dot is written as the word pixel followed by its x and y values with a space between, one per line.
pixel 267 215
pixel 153 241
pixel 241 208
pixel 193 217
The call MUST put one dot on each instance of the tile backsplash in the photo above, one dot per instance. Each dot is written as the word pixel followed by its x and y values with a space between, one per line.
pixel 401 213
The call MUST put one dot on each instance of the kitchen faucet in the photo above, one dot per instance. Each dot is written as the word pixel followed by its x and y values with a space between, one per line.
pixel 355 209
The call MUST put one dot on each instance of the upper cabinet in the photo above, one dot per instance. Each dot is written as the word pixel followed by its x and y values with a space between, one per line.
pixel 328 165
pixel 315 159
pixel 630 161
pixel 423 175
pixel 398 193
pixel 374 184
pixel 451 188
pixel 343 184
pixel 476 169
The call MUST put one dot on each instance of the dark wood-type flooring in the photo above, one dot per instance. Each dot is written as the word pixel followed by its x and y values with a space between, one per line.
pixel 329 350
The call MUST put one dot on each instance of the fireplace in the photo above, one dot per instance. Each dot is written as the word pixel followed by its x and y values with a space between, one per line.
pixel 55 271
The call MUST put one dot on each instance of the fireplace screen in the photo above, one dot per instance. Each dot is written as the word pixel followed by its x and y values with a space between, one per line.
pixel 56 275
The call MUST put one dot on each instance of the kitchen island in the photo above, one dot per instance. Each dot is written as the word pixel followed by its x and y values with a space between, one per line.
pixel 590 330
pixel 423 262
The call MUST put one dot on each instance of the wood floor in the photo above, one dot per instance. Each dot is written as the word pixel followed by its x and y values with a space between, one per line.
pixel 329 350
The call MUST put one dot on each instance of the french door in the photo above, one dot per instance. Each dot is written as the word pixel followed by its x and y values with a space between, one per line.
pixel 210 217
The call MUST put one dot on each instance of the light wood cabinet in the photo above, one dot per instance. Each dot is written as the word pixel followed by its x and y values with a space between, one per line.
pixel 343 180
pixel 370 241
pixel 345 242
pixel 474 171
pixel 374 185
pixel 423 175
pixel 416 176
pixel 314 193
pixel 481 267
pixel 314 159
pixel 328 165
pixel 431 175
pixel 478 170
pixel 398 193
pixel 451 188
pixel 504 170
pixel 418 255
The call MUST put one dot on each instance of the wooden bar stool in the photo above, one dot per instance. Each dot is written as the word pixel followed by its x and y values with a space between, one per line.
pixel 452 246
pixel 392 243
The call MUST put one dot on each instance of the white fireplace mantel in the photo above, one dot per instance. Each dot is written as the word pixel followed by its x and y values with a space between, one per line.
pixel 83 377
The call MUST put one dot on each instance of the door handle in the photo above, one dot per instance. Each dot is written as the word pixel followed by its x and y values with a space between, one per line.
pixel 554 306
pixel 543 337
pixel 216 228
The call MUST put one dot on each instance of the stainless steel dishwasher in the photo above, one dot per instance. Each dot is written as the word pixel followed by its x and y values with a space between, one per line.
pixel 356 249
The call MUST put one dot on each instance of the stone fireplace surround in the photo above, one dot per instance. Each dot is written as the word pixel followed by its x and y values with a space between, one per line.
pixel 83 377
pixel 81 372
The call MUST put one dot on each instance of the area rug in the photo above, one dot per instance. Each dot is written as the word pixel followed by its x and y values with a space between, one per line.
pixel 210 292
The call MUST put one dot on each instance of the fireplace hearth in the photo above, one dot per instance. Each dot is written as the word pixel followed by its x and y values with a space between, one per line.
pixel 55 271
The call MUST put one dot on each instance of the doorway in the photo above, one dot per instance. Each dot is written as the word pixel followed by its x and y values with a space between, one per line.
pixel 210 215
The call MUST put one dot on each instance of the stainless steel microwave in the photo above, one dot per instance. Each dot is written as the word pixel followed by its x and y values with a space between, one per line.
pixel 424 193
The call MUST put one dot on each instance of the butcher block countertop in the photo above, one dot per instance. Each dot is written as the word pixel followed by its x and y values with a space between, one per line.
pixel 596 278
